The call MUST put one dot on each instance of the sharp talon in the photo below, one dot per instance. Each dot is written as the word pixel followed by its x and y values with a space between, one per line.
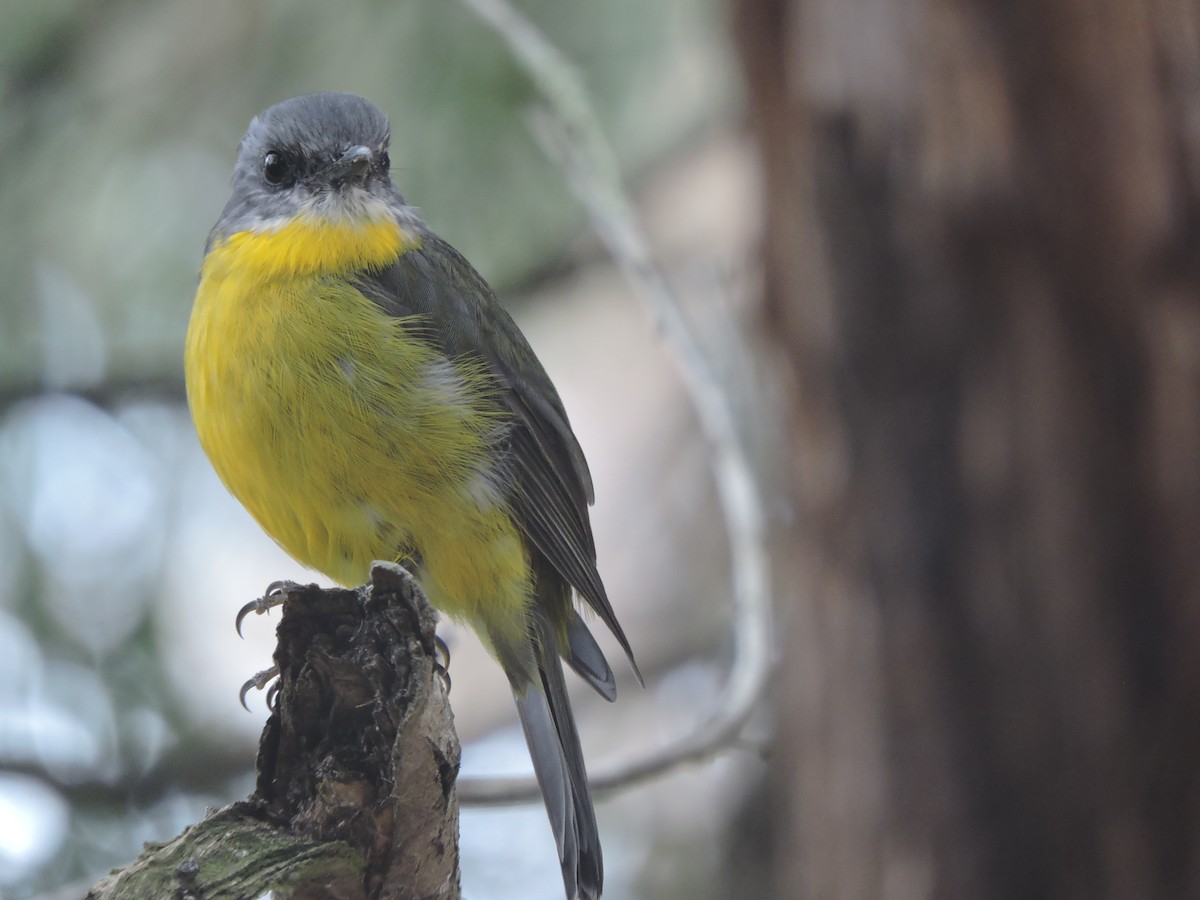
pixel 280 589
pixel 242 613
pixel 276 594
pixel 441 661
pixel 273 696
pixel 259 681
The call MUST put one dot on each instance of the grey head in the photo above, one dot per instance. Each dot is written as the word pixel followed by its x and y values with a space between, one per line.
pixel 317 154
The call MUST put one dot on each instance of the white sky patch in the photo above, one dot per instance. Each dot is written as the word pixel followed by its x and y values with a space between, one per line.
pixel 33 824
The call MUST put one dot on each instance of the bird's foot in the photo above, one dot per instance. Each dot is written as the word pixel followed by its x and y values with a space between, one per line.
pixel 276 594
pixel 258 682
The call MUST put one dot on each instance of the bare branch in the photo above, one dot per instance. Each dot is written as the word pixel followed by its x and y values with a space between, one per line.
pixel 568 132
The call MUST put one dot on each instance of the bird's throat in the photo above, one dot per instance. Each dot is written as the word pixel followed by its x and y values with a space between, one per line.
pixel 309 245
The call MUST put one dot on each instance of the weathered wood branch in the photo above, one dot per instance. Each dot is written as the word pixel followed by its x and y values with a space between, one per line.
pixel 356 767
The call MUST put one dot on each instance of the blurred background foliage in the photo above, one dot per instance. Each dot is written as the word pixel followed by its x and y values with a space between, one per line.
pixel 122 561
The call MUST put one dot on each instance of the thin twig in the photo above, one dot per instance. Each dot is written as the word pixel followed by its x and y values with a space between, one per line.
pixel 568 132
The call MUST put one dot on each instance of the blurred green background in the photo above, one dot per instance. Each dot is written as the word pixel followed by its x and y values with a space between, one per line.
pixel 122 561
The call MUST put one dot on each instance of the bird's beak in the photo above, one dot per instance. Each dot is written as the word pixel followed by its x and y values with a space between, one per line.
pixel 353 166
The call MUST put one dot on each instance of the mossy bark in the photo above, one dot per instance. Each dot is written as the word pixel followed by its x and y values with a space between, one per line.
pixel 357 764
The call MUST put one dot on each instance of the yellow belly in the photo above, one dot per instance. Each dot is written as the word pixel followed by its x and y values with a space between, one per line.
pixel 350 439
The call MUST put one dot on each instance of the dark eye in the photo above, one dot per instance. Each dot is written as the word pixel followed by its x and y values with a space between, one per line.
pixel 275 168
pixel 385 161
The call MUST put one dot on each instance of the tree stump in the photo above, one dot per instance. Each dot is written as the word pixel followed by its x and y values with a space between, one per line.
pixel 355 793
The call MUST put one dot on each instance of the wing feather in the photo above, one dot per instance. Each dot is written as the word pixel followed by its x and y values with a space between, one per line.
pixel 552 487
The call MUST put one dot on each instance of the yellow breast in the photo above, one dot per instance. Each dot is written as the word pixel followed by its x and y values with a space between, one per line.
pixel 347 436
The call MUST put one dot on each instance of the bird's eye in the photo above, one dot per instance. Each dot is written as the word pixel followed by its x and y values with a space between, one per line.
pixel 385 161
pixel 275 168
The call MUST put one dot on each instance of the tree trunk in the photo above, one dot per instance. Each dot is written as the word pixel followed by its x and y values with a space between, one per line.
pixel 983 283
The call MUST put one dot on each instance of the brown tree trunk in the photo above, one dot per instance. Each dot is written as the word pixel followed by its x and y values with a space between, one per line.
pixel 983 278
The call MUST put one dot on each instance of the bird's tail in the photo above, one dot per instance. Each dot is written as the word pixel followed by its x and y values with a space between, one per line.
pixel 553 740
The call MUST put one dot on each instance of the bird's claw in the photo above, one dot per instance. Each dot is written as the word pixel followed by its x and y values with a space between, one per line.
pixel 442 652
pixel 276 594
pixel 258 682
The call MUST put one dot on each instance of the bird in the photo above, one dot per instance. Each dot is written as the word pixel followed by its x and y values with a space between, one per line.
pixel 359 388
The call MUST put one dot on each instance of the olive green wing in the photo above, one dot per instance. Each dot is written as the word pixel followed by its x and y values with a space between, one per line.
pixel 553 484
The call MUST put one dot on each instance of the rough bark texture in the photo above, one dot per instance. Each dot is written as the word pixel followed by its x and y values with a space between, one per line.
pixel 357 763
pixel 983 287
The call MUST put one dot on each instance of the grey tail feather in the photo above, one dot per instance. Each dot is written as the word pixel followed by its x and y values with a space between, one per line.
pixel 553 740
pixel 587 659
